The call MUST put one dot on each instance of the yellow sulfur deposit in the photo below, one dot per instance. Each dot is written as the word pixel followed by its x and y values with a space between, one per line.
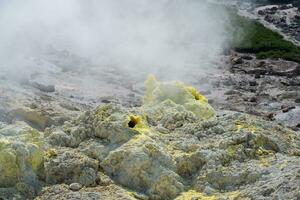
pixel 178 93
pixel 8 167
pixel 244 126
pixel 35 158
pixel 138 123
pixel 134 120
pixel 20 155
pixel 192 194
pixel 50 153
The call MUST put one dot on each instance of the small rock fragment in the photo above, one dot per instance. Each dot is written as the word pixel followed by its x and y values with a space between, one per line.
pixel 75 186
pixel 44 88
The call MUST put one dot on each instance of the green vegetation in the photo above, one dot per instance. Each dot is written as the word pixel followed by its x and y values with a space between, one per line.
pixel 250 36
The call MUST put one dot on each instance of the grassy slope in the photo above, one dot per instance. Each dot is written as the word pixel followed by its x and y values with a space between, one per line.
pixel 264 42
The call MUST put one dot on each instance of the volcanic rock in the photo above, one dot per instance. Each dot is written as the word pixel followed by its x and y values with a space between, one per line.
pixel 175 146
pixel 75 186
pixel 199 146
pixel 43 88
pixel 21 160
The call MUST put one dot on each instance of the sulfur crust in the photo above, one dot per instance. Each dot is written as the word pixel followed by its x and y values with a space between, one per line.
pixel 179 93
pixel 192 194
pixel 17 155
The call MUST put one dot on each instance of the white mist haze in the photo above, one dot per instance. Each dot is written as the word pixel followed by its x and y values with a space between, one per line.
pixel 169 37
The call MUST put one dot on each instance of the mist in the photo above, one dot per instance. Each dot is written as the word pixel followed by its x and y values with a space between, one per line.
pixel 172 38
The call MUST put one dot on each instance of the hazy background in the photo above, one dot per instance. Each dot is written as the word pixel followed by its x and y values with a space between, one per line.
pixel 173 38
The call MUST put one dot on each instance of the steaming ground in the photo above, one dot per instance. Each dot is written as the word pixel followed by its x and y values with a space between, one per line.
pixel 60 91
pixel 70 56
pixel 60 63
pixel 91 153
pixel 169 38
pixel 89 52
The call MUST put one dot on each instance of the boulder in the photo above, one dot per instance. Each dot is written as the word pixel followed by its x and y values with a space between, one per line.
pixel 21 159
pixel 69 167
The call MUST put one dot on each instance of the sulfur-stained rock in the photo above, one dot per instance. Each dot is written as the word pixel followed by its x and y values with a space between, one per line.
pixel 71 166
pixel 111 192
pixel 114 125
pixel 61 138
pixel 21 159
pixel 95 149
pixel 229 179
pixel 165 150
pixel 143 165
pixel 193 195
pixel 189 164
pixel 10 171
pixel 169 115
pixel 177 92
pixel 35 118
pixel 280 179
pixel 110 123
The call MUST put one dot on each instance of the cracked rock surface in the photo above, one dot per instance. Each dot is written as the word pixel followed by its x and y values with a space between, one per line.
pixel 168 148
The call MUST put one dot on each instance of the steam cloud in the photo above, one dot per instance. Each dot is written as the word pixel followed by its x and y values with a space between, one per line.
pixel 167 36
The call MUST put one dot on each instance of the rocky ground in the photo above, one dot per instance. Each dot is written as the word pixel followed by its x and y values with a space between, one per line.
pixel 62 90
pixel 266 88
pixel 65 133
pixel 164 147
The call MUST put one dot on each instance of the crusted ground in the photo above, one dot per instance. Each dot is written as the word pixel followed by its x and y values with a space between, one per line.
pixel 174 146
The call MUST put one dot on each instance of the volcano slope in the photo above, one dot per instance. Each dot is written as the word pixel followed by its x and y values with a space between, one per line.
pixel 175 146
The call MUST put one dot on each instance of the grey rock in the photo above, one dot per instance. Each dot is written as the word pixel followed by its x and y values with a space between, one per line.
pixel 70 167
pixel 75 186
pixel 43 88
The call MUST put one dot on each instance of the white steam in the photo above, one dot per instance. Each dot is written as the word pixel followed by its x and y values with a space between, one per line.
pixel 165 36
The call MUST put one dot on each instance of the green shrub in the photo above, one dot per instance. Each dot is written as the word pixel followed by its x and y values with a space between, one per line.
pixel 249 36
